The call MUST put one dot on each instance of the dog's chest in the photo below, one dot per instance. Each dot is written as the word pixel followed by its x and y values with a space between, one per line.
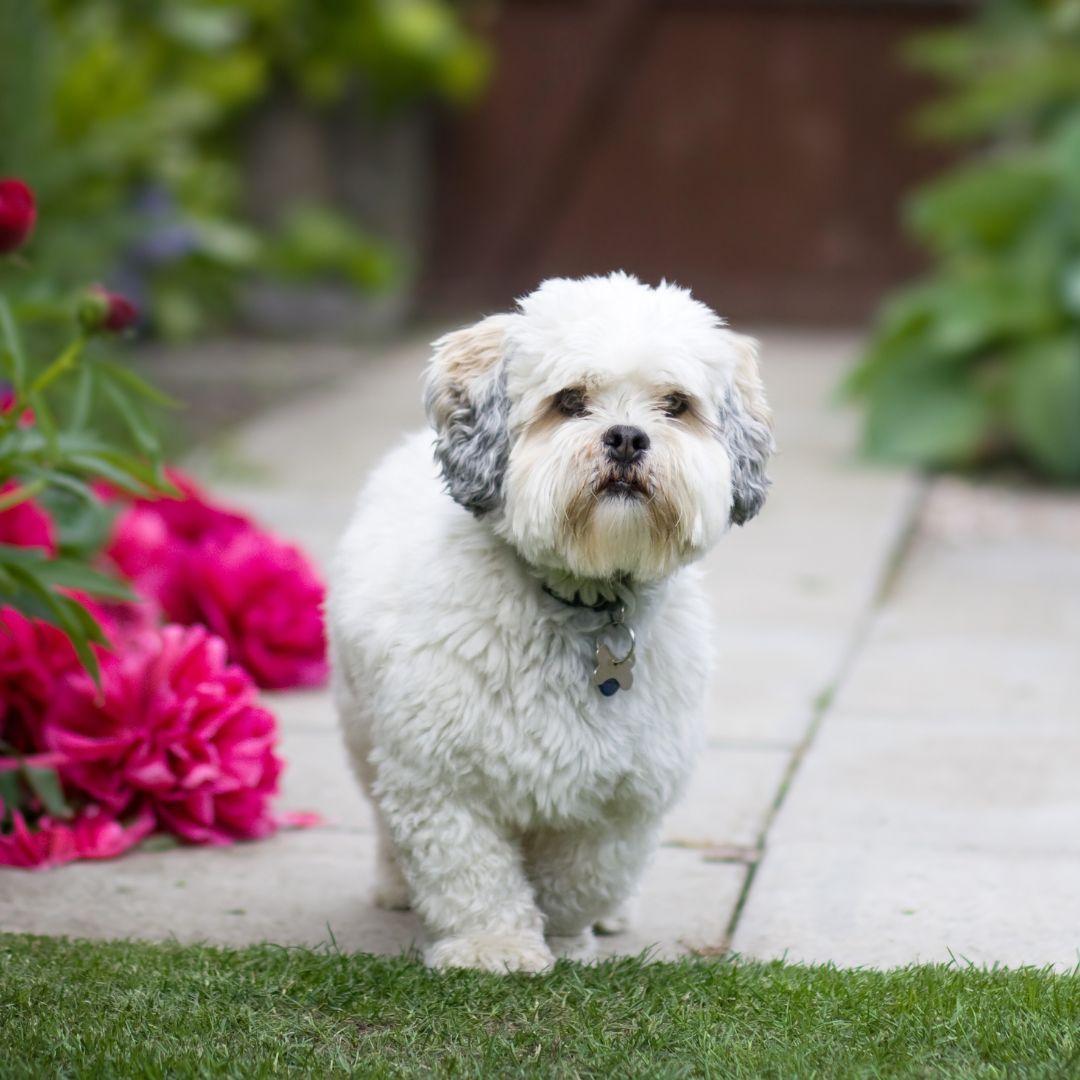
pixel 569 751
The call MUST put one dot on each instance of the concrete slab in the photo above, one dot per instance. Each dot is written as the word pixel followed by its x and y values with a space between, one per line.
pixel 885 906
pixel 937 809
pixel 961 785
pixel 318 778
pixel 685 906
pixel 729 798
pixel 297 888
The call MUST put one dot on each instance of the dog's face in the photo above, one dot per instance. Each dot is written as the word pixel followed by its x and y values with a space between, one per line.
pixel 605 428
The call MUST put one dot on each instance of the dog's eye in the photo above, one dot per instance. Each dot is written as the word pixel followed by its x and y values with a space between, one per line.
pixel 676 404
pixel 571 401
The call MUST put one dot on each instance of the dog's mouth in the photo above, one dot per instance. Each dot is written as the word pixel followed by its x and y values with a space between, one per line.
pixel 623 486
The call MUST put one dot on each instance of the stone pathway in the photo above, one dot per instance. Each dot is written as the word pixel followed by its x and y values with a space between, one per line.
pixel 893 732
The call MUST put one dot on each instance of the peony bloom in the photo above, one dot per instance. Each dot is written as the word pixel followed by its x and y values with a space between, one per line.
pixel 202 564
pixel 192 517
pixel 35 658
pixel 100 309
pixel 176 728
pixel 152 538
pixel 263 597
pixel 155 562
pixel 89 835
pixel 18 212
pixel 26 524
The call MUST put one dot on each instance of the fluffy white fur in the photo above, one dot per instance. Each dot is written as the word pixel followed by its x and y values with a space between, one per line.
pixel 517 805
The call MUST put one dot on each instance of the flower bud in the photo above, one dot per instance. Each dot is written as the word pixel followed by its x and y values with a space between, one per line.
pixel 100 309
pixel 18 213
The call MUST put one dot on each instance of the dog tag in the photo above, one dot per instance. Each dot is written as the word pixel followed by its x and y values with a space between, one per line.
pixel 613 674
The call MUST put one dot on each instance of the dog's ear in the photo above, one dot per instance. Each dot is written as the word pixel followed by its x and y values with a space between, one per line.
pixel 465 397
pixel 745 425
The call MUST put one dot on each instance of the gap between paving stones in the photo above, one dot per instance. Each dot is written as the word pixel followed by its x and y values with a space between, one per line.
pixel 896 556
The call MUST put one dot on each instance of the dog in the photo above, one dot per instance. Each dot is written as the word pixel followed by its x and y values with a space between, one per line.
pixel 520 642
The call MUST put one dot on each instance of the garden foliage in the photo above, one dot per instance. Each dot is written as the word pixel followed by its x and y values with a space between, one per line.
pixel 128 120
pixel 127 707
pixel 979 362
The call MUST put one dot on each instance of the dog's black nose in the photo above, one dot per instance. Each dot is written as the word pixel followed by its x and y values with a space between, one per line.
pixel 626 444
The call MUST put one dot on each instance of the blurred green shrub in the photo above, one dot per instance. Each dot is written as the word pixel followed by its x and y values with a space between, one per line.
pixel 124 116
pixel 980 362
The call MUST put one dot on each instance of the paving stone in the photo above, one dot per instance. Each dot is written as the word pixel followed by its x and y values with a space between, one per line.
pixel 302 710
pixel 884 907
pixel 767 680
pixel 297 888
pixel 936 810
pixel 927 675
pixel 957 785
pixel 685 906
pixel 318 778
pixel 729 798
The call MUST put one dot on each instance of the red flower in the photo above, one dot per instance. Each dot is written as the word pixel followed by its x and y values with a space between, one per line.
pixel 18 213
pixel 262 596
pixel 34 660
pixel 101 309
pixel 203 564
pixel 89 835
pixel 152 538
pixel 26 524
pixel 175 728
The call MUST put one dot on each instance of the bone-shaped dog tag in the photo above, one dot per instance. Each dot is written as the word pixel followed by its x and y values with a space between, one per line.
pixel 611 674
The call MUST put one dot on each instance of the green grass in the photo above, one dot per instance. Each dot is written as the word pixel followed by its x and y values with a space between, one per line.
pixel 121 1009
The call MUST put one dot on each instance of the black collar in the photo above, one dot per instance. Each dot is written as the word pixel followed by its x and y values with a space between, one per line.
pixel 577 602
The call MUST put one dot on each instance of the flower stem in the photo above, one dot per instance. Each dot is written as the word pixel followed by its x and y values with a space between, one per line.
pixel 63 363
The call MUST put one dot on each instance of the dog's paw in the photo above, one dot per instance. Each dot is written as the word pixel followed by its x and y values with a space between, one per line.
pixel 491 952
pixel 580 947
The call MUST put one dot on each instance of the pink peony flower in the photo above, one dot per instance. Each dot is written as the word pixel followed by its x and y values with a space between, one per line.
pixel 35 658
pixel 89 835
pixel 203 564
pixel 176 728
pixel 152 538
pixel 192 517
pixel 262 596
pixel 26 524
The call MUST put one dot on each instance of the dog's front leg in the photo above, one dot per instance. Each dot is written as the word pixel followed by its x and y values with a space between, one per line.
pixel 583 875
pixel 467 884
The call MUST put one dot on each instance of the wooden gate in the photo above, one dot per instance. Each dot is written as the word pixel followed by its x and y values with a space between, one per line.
pixel 756 151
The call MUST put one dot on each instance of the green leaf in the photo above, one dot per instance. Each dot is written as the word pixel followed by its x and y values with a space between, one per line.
pixel 144 436
pixel 18 495
pixel 13 794
pixel 63 573
pixel 46 423
pixel 138 385
pixel 13 342
pixel 98 467
pixel 1044 404
pixel 982 206
pixel 927 417
pixel 45 784
pixel 58 610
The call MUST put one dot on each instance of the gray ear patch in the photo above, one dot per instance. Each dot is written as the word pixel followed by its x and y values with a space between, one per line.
pixel 473 443
pixel 749 442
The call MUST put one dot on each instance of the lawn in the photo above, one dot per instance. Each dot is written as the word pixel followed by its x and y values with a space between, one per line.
pixel 91 1009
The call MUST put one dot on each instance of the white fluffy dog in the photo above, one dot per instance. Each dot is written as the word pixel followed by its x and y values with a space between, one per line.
pixel 519 744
